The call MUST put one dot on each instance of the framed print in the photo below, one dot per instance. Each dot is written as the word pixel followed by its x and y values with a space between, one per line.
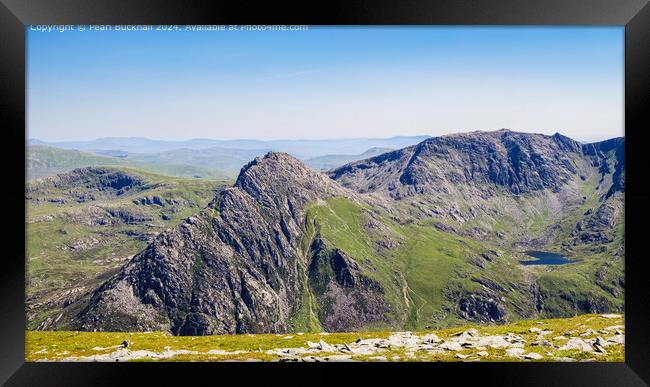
pixel 435 187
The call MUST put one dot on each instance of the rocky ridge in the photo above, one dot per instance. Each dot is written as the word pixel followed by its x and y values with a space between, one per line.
pixel 238 266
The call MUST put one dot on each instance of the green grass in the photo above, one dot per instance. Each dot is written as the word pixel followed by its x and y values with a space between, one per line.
pixel 56 346
pixel 43 161
pixel 418 275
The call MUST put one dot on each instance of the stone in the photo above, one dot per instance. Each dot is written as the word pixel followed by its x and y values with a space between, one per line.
pixel 534 330
pixel 512 338
pixel 461 356
pixel 323 346
pixel 514 352
pixel 482 353
pixel 533 356
pixel 431 338
pixel 451 346
pixel 575 343
pixel 403 339
pixel 616 339
pixel 493 342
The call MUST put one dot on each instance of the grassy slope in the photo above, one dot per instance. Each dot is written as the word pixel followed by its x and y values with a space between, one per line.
pixel 56 346
pixel 53 268
pixel 416 274
pixel 425 276
pixel 46 161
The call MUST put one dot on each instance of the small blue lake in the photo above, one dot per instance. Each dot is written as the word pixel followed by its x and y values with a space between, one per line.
pixel 545 258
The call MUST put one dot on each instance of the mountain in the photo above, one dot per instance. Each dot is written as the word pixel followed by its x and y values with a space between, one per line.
pixel 127 144
pixel 238 265
pixel 224 159
pixel 298 148
pixel 486 179
pixel 336 160
pixel 43 161
pixel 430 235
pixel 230 160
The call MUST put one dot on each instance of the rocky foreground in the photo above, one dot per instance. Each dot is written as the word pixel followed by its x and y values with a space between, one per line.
pixel 582 338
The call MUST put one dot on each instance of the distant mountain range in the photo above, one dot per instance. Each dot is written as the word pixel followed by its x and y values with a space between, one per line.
pixel 197 158
pixel 428 235
pixel 326 162
pixel 43 161
pixel 302 149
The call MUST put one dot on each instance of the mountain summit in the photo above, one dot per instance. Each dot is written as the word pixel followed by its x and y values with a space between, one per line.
pixel 238 266
pixel 519 162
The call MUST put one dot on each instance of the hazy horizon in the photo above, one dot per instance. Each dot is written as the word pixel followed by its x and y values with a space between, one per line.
pixel 187 139
pixel 325 83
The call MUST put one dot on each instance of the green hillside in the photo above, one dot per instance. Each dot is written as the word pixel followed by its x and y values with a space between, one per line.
pixel 431 271
pixel 43 161
pixel 80 229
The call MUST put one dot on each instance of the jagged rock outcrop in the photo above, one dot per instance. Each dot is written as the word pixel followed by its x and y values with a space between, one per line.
pixel 519 162
pixel 349 299
pixel 236 267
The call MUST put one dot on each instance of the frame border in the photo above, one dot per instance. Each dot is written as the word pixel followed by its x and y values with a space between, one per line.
pixel 634 14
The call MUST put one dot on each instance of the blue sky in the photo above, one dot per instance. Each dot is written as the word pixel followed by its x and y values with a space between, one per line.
pixel 325 82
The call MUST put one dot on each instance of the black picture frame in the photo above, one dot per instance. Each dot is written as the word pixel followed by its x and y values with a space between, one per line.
pixel 634 14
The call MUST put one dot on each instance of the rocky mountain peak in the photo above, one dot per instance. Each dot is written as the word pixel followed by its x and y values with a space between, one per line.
pixel 520 162
pixel 238 266
pixel 277 177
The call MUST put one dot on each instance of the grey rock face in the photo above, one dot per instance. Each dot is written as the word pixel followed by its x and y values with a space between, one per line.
pixel 517 161
pixel 236 267
pixel 600 153
pixel 482 308
pixel 349 300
